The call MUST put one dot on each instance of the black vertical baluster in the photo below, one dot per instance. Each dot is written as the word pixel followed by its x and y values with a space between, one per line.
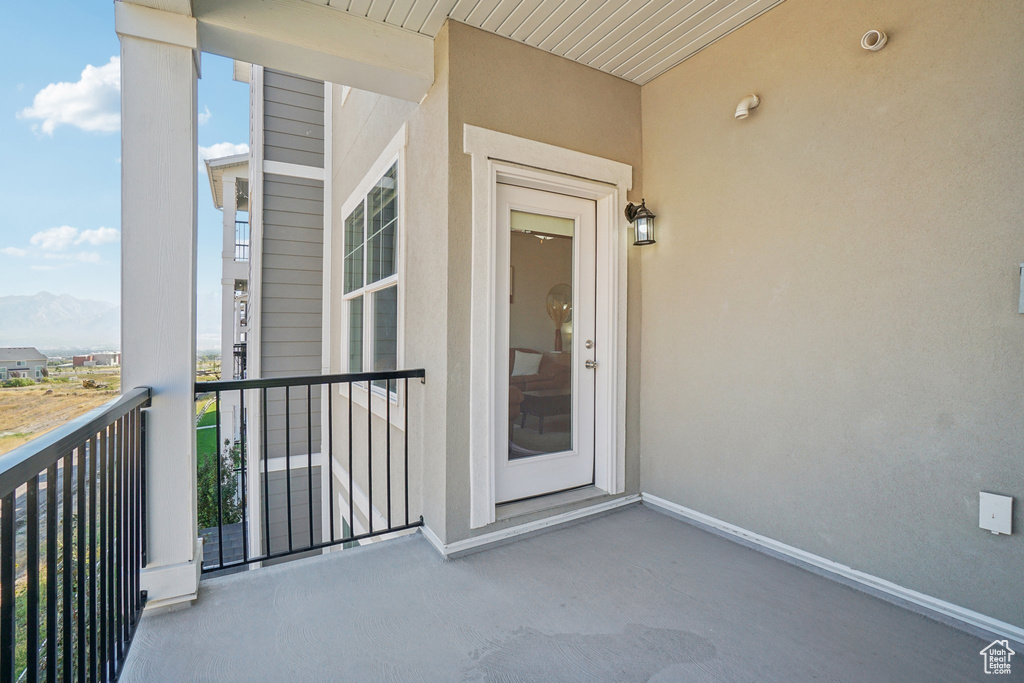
pixel 143 547
pixel 126 526
pixel 95 444
pixel 137 522
pixel 119 486
pixel 309 456
pixel 351 491
pixel 111 551
pixel 330 454
pixel 244 464
pixel 80 533
pixel 7 612
pixel 66 527
pixel 407 451
pixel 130 524
pixel 266 477
pixel 32 559
pixel 288 462
pixel 103 568
pixel 369 454
pixel 51 573
pixel 126 522
pixel 387 430
pixel 220 508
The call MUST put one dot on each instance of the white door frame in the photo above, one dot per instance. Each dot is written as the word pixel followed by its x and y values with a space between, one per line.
pixel 541 166
pixel 546 473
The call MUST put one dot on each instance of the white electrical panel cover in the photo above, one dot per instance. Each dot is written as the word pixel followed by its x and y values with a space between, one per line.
pixel 995 512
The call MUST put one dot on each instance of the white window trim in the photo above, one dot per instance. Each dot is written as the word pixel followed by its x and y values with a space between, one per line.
pixel 377 399
pixel 544 166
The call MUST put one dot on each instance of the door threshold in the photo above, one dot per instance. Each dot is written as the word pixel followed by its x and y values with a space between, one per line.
pixel 530 525
pixel 547 502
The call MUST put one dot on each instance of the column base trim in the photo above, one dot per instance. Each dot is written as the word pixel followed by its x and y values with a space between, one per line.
pixel 173 586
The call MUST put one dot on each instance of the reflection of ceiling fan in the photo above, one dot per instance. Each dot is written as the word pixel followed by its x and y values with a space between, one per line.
pixel 530 232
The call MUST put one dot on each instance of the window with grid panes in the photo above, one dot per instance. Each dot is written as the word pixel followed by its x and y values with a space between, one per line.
pixel 371 279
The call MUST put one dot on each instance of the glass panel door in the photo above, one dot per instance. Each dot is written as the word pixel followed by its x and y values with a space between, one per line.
pixel 540 333
pixel 546 307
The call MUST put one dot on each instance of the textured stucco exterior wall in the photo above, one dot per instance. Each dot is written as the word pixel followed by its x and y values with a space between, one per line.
pixel 502 85
pixel 831 344
pixel 363 127
pixel 488 81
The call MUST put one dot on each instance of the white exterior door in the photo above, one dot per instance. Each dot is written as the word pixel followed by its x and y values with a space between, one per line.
pixel 546 257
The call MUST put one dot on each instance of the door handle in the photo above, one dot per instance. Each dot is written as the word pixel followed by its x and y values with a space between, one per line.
pixel 590 365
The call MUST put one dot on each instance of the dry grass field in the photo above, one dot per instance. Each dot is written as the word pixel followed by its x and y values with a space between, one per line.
pixel 28 412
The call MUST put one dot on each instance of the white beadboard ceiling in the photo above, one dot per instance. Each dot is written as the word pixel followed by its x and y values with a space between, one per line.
pixel 633 39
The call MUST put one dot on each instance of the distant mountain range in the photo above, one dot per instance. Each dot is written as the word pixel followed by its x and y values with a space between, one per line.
pixel 59 321
pixel 60 324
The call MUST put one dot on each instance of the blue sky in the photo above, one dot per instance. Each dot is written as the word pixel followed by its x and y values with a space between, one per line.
pixel 59 140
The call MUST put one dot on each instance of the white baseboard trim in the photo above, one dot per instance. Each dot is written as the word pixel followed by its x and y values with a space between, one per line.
pixel 172 586
pixel 484 541
pixel 928 602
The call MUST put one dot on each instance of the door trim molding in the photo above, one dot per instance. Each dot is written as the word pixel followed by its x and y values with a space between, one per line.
pixel 547 167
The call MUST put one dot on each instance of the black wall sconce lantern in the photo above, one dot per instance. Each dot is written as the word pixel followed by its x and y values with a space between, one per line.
pixel 643 223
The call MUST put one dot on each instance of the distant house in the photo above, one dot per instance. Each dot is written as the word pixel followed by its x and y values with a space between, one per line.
pixel 94 359
pixel 21 361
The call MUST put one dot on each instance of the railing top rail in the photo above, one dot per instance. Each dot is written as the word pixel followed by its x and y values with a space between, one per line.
pixel 303 380
pixel 26 461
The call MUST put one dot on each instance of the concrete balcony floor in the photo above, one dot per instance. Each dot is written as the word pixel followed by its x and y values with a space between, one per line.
pixel 631 596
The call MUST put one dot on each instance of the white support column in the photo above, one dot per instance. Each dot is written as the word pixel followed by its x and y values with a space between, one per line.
pixel 227 329
pixel 327 326
pixel 158 279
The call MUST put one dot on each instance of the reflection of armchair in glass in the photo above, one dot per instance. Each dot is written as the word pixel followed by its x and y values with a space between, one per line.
pixel 553 372
pixel 559 305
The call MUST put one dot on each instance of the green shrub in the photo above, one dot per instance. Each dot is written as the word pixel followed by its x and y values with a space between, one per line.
pixel 207 484
pixel 18 382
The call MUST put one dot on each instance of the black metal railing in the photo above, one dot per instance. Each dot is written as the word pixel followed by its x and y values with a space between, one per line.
pixel 72 546
pixel 241 240
pixel 240 362
pixel 235 536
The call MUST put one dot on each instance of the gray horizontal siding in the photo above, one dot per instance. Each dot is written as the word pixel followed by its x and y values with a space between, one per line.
pixel 276 305
pixel 292 248
pixel 293 119
pixel 277 506
pixel 291 305
pixel 290 365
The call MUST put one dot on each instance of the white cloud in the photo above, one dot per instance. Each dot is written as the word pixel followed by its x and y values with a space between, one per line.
pixel 55 239
pixel 59 239
pixel 204 115
pixel 220 149
pixel 13 251
pixel 99 236
pixel 80 257
pixel 92 103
